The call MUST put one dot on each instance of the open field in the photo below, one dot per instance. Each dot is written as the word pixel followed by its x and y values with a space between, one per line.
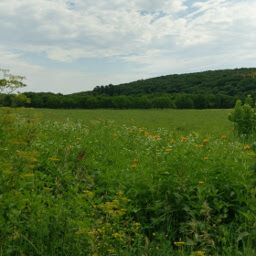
pixel 130 182
pixel 211 121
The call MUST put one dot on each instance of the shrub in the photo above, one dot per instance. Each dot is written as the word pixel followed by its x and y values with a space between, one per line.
pixel 244 118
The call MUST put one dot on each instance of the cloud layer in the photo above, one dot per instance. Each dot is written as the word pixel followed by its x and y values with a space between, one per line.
pixel 59 43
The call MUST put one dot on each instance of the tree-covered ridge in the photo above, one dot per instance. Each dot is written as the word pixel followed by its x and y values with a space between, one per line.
pixel 229 82
pixel 202 90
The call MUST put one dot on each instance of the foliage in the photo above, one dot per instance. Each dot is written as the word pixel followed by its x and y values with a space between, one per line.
pixel 108 188
pixel 8 85
pixel 209 89
pixel 244 117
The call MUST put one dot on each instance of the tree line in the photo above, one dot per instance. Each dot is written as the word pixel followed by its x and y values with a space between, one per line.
pixel 202 90
pixel 147 101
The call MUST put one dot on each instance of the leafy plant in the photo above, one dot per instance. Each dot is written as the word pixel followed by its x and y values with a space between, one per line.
pixel 8 85
pixel 244 118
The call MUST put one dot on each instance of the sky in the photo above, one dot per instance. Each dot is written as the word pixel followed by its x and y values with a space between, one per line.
pixel 68 46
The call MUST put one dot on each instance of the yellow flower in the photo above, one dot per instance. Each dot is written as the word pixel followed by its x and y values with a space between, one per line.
pixel 88 193
pixel 170 136
pixel 179 243
pixel 205 158
pixel 54 159
pixel 201 145
pixel 198 253
pixel 223 137
pixel 156 136
pixel 168 150
pixel 115 135
pixel 205 140
pixel 134 166
pixel 246 147
pixel 136 160
pixel 46 188
pixel 78 138
pixel 201 182
pixel 172 141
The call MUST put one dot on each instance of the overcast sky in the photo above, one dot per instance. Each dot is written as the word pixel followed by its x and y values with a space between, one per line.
pixel 70 46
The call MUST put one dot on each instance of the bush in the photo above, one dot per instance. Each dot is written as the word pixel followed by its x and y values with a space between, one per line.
pixel 244 118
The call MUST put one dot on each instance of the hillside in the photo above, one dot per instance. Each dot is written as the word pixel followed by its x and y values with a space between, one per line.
pixel 230 82
pixel 201 90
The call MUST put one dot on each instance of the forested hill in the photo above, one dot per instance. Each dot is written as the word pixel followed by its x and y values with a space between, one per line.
pixel 230 82
pixel 208 89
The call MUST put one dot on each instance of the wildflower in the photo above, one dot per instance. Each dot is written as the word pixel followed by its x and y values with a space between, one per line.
pixel 157 248
pixel 201 182
pixel 198 253
pixel 134 166
pixel 209 150
pixel 8 172
pixel 201 146
pixel 168 150
pixel 154 234
pixel 49 113
pixel 99 119
pixel 205 140
pixel 179 243
pixel 136 160
pixel 47 188
pixel 223 137
pixel 156 136
pixel 115 135
pixel 205 158
pixel 172 141
pixel 132 119
pixel 111 250
pixel 54 159
pixel 183 139
pixel 246 147
pixel 170 136
pixel 78 138
pixel 88 193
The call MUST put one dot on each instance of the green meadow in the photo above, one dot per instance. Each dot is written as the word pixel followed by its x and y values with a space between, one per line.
pixel 125 182
pixel 210 121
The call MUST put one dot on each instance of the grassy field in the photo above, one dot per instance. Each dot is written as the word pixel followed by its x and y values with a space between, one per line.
pixel 214 121
pixel 130 182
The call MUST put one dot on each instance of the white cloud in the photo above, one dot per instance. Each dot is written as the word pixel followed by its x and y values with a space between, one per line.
pixel 155 36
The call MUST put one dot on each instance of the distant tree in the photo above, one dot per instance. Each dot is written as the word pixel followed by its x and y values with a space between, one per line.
pixel 121 102
pixel 162 102
pixel 184 102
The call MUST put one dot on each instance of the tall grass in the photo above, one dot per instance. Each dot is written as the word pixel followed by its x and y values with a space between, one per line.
pixel 83 183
